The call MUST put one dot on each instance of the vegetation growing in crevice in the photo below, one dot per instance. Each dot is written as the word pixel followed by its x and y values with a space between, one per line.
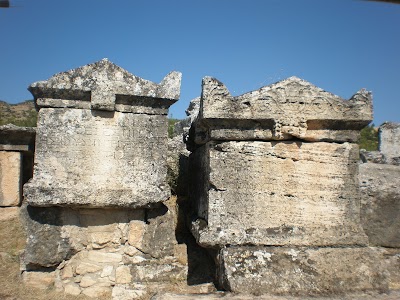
pixel 369 138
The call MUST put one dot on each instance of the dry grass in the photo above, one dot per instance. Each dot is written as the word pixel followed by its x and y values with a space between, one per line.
pixel 12 241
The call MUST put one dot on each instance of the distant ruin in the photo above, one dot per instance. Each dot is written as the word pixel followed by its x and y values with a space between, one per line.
pixel 271 198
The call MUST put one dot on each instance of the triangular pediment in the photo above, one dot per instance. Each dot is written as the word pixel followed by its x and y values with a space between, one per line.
pixel 100 82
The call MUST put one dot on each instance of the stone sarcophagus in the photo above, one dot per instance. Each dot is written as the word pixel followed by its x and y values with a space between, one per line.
pixel 101 138
pixel 275 188
pixel 278 166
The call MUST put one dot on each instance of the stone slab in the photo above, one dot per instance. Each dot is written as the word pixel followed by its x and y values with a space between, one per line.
pixel 10 178
pixel 291 108
pixel 389 142
pixel 102 86
pixel 380 203
pixel 302 271
pixel 277 193
pixel 99 159
pixel 15 138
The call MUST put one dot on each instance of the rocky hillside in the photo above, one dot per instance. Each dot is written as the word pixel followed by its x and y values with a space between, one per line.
pixel 21 114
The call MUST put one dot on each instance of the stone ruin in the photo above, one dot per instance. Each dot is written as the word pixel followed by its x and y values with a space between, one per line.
pixel 276 193
pixel 270 189
pixel 16 161
pixel 98 211
pixel 389 135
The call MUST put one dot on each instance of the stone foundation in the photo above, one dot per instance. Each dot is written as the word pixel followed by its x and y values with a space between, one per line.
pixel 302 271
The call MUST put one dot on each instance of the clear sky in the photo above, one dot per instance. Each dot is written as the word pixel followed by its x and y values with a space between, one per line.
pixel 339 45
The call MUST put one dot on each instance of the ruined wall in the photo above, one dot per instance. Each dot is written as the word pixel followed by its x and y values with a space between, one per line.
pixel 380 192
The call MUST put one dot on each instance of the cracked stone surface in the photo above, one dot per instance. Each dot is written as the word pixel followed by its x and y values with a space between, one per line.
pixel 101 138
pixel 291 108
pixel 105 86
pixel 278 193
pixel 302 271
pixel 380 203
pixel 389 142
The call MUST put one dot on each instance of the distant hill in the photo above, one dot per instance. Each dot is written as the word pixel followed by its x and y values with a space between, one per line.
pixel 21 114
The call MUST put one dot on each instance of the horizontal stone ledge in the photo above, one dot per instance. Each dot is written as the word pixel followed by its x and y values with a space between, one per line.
pixel 17 138
pixel 91 197
pixel 303 271
pixel 123 103
pixel 319 236
pixel 19 148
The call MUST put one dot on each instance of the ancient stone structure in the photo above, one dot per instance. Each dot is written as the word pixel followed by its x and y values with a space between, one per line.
pixel 380 189
pixel 389 142
pixel 16 162
pixel 98 213
pixel 274 180
pixel 101 138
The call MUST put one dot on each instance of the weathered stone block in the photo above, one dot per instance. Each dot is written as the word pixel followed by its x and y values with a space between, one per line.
pixel 101 138
pixel 10 178
pixel 389 142
pixel 291 108
pixel 301 271
pixel 277 193
pixel 380 203
pixel 98 160
pixel 15 138
pixel 55 234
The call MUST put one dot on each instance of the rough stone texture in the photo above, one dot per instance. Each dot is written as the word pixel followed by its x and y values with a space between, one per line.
pixel 92 250
pixel 380 203
pixel 389 142
pixel 291 108
pixel 15 138
pixel 101 138
pixel 302 271
pixel 39 280
pixel 10 178
pixel 277 193
pixel 105 86
pixel 98 159
pixel 375 157
pixel 178 155
pixel 56 234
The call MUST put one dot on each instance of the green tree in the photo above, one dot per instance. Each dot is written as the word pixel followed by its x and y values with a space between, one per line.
pixel 369 138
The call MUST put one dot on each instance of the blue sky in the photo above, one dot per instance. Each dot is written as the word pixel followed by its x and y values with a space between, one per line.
pixel 338 45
